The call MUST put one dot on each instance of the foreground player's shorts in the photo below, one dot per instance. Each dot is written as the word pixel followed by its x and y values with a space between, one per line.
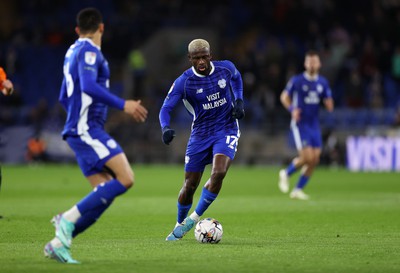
pixel 93 149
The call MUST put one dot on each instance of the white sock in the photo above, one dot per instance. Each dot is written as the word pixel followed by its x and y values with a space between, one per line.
pixel 56 242
pixel 72 214
pixel 194 216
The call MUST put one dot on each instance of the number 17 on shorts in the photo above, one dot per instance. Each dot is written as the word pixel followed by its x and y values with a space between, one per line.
pixel 232 142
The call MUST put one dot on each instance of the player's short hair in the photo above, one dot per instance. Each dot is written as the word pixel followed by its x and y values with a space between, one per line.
pixel 197 45
pixel 88 20
pixel 312 52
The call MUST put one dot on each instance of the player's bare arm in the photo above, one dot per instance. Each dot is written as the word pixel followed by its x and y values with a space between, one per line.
pixel 329 105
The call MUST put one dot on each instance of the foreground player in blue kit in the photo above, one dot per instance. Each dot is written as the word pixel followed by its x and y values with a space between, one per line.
pixel 85 96
pixel 212 92
pixel 302 97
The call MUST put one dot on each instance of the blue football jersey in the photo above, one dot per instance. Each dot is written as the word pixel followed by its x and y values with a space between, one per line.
pixel 85 91
pixel 307 95
pixel 209 99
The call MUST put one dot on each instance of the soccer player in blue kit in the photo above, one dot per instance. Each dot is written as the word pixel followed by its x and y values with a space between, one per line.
pixel 212 92
pixel 302 96
pixel 85 96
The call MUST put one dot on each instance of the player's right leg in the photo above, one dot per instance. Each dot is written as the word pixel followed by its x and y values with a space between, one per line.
pixel 221 163
pixel 64 229
pixel 98 201
pixel 284 174
pixel 185 200
pixel 300 136
pixel 59 253
pixel 308 155
pixel 89 209
pixel 183 228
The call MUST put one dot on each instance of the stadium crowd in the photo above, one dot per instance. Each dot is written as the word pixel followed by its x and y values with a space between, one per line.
pixel 359 43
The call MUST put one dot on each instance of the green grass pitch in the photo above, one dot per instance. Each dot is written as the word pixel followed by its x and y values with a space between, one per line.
pixel 351 223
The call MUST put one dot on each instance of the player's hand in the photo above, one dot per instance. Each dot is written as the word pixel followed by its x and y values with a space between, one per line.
pixel 168 135
pixel 238 109
pixel 7 87
pixel 136 110
pixel 296 114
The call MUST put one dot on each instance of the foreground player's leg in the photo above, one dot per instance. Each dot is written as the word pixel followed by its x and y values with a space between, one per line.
pixel 91 217
pixel 94 203
pixel 89 209
pixel 57 251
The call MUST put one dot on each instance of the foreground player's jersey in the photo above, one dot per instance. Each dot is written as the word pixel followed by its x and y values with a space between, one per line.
pixel 307 95
pixel 84 92
pixel 208 99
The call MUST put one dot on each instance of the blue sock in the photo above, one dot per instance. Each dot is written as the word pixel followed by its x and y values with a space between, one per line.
pixel 205 201
pixel 95 203
pixel 182 212
pixel 303 180
pixel 291 169
pixel 88 219
pixel 103 194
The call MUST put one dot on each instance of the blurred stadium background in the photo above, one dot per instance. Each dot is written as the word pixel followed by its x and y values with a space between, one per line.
pixel 146 45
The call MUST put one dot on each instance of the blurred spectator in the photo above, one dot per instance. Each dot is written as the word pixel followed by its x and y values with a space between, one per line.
pixel 354 95
pixel 36 150
pixel 137 65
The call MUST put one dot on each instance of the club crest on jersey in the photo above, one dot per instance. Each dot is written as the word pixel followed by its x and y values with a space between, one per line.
pixel 111 143
pixel 305 88
pixel 90 57
pixel 319 88
pixel 199 91
pixel 222 83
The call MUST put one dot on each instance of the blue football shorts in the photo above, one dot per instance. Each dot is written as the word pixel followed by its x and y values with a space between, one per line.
pixel 305 135
pixel 93 149
pixel 200 153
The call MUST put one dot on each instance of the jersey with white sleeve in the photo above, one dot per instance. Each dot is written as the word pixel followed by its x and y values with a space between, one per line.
pixel 85 92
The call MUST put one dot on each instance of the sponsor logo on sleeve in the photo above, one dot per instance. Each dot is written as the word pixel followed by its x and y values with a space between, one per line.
pixel 90 57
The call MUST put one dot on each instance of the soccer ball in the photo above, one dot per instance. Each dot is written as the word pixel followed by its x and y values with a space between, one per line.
pixel 208 230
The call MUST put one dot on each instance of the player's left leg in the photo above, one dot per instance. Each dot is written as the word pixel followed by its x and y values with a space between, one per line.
pixel 313 155
pixel 224 151
pixel 213 186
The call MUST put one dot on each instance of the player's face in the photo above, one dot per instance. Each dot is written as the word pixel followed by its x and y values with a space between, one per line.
pixel 312 64
pixel 201 61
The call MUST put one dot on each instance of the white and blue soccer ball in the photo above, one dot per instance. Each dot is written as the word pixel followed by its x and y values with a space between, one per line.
pixel 209 231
